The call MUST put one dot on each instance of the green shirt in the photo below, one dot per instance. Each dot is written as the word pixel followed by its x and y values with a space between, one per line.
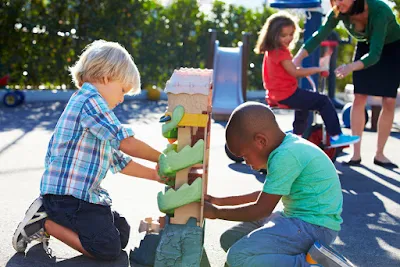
pixel 382 28
pixel 307 180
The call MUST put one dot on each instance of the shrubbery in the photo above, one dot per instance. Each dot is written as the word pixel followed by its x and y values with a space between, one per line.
pixel 41 38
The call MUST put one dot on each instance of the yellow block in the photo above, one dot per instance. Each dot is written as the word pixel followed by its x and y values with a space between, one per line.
pixel 193 120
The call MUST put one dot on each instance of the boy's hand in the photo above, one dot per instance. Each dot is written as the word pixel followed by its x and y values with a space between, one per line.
pixel 210 211
pixel 158 178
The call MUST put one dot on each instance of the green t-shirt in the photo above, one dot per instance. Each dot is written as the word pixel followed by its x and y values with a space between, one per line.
pixel 382 28
pixel 307 180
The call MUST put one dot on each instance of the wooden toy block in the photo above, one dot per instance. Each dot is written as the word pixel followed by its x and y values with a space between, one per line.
pixel 194 120
pixel 149 225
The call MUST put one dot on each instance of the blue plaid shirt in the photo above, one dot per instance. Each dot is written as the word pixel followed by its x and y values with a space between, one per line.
pixel 84 146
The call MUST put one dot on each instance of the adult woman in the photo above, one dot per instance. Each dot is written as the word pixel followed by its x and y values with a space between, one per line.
pixel 376 64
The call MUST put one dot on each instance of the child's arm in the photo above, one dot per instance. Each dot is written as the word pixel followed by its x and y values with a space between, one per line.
pixel 264 206
pixel 137 170
pixel 233 200
pixel 139 149
pixel 300 72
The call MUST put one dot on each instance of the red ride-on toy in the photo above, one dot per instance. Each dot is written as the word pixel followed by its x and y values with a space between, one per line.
pixel 11 98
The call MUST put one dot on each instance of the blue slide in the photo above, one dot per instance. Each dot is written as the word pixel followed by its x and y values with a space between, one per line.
pixel 227 87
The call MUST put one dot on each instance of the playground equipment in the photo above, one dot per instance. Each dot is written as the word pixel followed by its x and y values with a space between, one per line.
pixel 316 132
pixel 230 75
pixel 177 240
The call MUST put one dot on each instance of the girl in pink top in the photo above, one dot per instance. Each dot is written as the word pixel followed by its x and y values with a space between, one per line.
pixel 279 33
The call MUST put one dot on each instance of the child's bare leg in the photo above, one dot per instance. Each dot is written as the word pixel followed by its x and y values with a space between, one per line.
pixel 66 236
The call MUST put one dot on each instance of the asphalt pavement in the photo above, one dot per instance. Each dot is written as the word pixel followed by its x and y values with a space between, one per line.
pixel 370 232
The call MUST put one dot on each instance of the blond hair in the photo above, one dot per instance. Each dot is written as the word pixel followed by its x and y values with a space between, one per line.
pixel 268 38
pixel 102 59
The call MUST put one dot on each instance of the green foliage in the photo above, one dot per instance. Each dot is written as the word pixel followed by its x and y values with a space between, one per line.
pixel 40 39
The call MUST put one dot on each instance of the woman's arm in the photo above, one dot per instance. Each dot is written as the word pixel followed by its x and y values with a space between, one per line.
pixel 377 41
pixel 328 25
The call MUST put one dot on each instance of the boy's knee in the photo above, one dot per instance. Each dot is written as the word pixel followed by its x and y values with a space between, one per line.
pixel 229 238
pixel 235 256
pixel 226 241
pixel 123 227
pixel 104 246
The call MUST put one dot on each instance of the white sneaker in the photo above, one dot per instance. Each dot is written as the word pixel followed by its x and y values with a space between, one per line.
pixel 32 227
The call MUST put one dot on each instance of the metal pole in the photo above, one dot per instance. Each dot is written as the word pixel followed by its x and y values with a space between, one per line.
pixel 211 46
pixel 245 62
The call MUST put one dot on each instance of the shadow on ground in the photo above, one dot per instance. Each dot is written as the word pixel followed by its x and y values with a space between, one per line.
pixel 363 197
pixel 46 114
pixel 364 214
pixel 37 257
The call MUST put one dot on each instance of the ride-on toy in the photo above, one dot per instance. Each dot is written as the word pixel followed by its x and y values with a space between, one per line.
pixel 11 98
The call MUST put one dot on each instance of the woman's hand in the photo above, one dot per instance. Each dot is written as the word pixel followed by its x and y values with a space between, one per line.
pixel 343 70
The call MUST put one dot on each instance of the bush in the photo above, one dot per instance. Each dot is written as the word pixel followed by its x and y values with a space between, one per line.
pixel 40 39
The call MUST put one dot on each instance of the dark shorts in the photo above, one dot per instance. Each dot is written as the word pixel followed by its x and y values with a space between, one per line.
pixel 102 232
pixel 382 78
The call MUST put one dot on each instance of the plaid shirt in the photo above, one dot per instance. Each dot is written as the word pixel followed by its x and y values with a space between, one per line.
pixel 83 147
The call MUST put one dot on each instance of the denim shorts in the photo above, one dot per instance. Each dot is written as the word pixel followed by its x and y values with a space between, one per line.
pixel 102 232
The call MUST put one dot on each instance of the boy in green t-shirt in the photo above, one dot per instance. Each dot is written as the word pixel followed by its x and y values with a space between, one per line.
pixel 299 173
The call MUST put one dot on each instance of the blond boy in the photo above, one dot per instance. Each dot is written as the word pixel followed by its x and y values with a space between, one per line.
pixel 86 143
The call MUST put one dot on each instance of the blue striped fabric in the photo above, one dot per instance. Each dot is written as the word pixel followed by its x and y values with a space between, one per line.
pixel 83 147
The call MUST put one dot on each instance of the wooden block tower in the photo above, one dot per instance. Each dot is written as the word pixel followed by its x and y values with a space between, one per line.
pixel 192 89
pixel 178 238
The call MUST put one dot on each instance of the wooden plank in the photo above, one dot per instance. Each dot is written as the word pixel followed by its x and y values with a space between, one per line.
pixel 184 137
pixel 205 169
pixel 181 178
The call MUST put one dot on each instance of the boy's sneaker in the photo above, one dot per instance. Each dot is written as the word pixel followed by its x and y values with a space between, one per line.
pixel 320 255
pixel 343 140
pixel 32 227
